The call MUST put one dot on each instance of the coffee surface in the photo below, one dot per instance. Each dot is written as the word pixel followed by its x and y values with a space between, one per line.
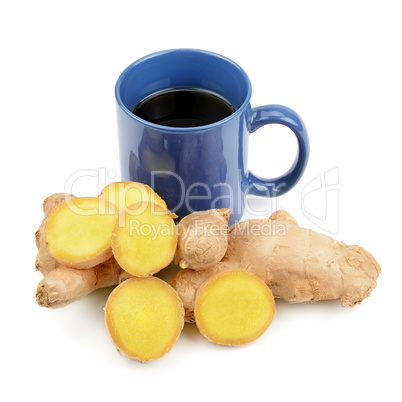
pixel 184 107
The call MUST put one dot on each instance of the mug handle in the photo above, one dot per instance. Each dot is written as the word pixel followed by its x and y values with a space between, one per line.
pixel 278 114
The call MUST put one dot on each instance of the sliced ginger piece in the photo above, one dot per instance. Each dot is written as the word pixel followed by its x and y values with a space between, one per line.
pixel 144 318
pixel 78 232
pixel 234 307
pixel 144 239
pixel 124 193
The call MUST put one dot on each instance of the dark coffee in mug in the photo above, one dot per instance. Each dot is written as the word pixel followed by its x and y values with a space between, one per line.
pixel 184 107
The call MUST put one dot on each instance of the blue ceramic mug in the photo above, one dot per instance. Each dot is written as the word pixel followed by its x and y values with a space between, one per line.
pixel 198 168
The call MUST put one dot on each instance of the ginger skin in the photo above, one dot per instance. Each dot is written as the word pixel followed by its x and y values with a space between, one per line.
pixel 283 216
pixel 202 240
pixel 299 265
pixel 62 285
pixel 51 202
pixel 44 261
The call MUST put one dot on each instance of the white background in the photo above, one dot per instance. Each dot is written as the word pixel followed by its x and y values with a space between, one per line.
pixel 338 64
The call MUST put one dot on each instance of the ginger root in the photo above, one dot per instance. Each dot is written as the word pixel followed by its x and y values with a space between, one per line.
pixel 234 307
pixel 283 216
pixel 44 261
pixel 52 201
pixel 299 265
pixel 202 240
pixel 144 239
pixel 62 285
pixel 144 318
pixel 78 231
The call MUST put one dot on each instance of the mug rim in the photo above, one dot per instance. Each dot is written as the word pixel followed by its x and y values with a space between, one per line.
pixel 179 130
